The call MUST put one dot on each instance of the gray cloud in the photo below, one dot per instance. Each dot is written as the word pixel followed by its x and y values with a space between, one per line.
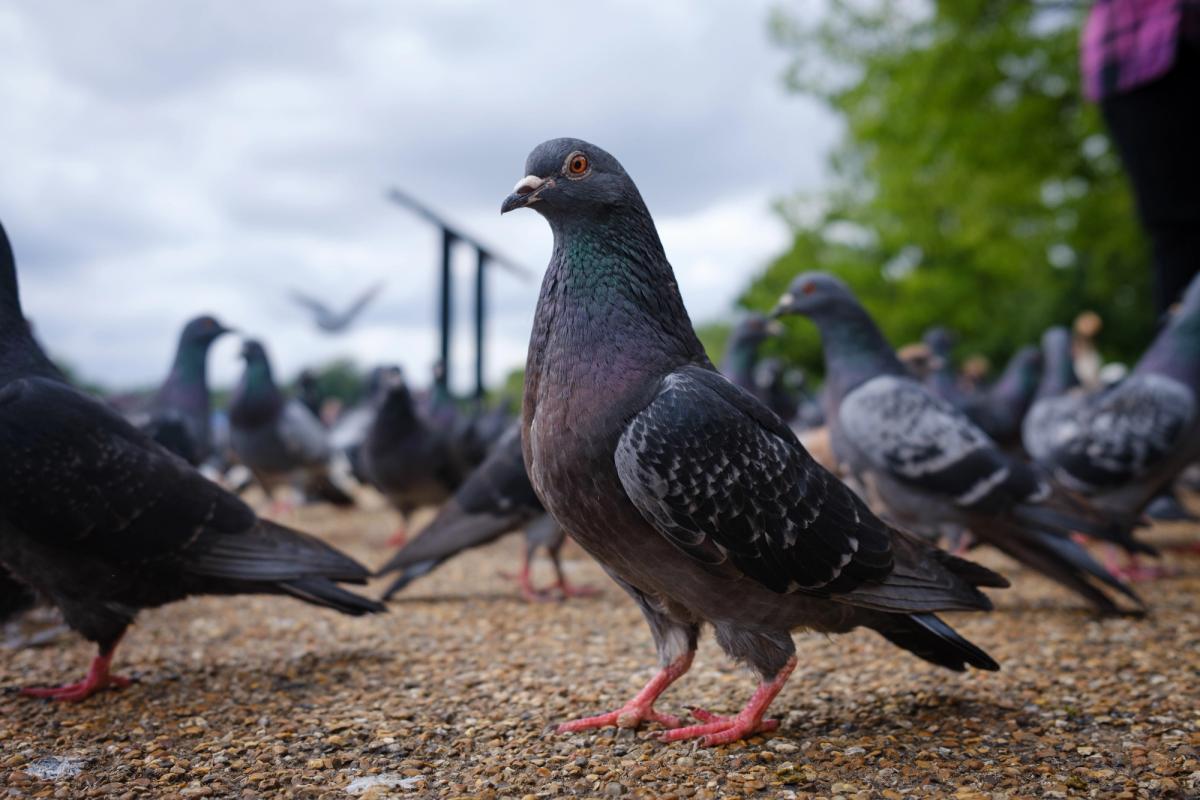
pixel 167 159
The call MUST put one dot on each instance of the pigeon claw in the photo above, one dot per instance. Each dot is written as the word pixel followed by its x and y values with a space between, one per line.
pixel 632 715
pixel 717 730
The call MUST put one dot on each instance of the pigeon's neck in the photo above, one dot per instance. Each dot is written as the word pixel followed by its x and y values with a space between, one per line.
pixel 738 363
pixel 187 384
pixel 257 399
pixel 397 415
pixel 20 354
pixel 854 347
pixel 610 302
pixel 1058 374
pixel 1176 351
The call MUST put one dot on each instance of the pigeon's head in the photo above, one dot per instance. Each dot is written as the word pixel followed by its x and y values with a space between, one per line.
pixel 1056 343
pixel 253 353
pixel 754 329
pixel 203 331
pixel 940 340
pixel 570 177
pixel 813 294
pixel 381 377
pixel 768 373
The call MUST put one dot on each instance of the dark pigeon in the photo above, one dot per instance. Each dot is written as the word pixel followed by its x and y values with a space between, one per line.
pixel 329 320
pixel 404 456
pixel 929 465
pixel 496 499
pixel 693 496
pixel 1122 446
pixel 942 379
pixel 1000 409
pixel 741 351
pixel 179 413
pixel 101 521
pixel 276 437
pixel 771 387
pixel 308 392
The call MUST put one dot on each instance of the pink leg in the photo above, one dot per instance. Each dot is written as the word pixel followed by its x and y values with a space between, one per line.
pixel 749 721
pixel 567 589
pixel 1193 548
pixel 641 708
pixel 98 678
pixel 400 537
pixel 1133 569
pixel 524 579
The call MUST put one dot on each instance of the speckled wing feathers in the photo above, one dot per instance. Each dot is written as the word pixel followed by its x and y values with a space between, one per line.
pixel 725 480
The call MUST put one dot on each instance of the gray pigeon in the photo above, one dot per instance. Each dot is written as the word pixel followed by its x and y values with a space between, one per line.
pixel 276 437
pixel 332 321
pixel 924 461
pixel 101 521
pixel 692 495
pixel 1124 445
pixel 1000 409
pixel 496 499
pixel 179 414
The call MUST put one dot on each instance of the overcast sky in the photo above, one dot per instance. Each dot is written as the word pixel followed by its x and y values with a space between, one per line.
pixel 166 159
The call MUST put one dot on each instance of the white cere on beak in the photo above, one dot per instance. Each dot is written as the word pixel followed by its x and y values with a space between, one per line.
pixel 787 299
pixel 528 184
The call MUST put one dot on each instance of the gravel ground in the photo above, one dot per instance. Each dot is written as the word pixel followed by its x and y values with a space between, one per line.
pixel 454 692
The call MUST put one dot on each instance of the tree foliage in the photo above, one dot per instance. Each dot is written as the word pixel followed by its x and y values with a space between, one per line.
pixel 973 186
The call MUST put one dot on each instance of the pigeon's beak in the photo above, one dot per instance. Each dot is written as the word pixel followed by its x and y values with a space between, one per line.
pixel 525 192
pixel 774 327
pixel 782 308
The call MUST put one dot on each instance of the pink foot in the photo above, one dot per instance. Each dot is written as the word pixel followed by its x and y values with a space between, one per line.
pixel 524 581
pixel 720 730
pixel 1137 573
pixel 98 679
pixel 399 538
pixel 641 708
pixel 569 590
pixel 715 730
pixel 1192 548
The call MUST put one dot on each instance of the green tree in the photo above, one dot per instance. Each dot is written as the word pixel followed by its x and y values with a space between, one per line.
pixel 973 186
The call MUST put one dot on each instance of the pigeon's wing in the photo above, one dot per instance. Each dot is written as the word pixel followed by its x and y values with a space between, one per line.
pixel 311 303
pixel 1123 434
pixel 79 476
pixel 725 480
pixel 304 437
pixel 919 440
pixel 346 317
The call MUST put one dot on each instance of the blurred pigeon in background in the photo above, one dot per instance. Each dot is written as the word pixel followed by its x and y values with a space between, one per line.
pixel 279 440
pixel 1000 408
pixel 496 499
pixel 741 351
pixel 924 461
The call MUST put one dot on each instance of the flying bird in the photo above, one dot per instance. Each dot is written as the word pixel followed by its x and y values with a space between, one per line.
pixel 693 496
pixel 101 521
pixel 331 321
pixel 496 499
pixel 930 466
pixel 278 439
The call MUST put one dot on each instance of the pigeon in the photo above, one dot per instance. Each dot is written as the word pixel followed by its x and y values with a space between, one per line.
pixel 496 499
pixel 1000 409
pixel 741 352
pixel 276 437
pixel 101 521
pixel 1122 446
pixel 943 378
pixel 309 392
pixel 771 387
pixel 409 461
pixel 331 321
pixel 179 413
pixel 695 498
pixel 932 468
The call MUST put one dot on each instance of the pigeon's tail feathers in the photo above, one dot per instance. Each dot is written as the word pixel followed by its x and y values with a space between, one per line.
pixel 1063 515
pixel 321 486
pixel 453 530
pixel 928 637
pixel 410 574
pixel 1059 558
pixel 326 593
pixel 271 552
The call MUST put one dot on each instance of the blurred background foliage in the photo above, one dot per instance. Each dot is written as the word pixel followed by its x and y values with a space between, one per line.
pixel 973 186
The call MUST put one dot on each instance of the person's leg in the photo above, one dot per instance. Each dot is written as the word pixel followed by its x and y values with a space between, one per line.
pixel 1157 132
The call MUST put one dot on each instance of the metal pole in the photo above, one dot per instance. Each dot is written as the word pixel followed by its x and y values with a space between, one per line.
pixel 446 309
pixel 481 259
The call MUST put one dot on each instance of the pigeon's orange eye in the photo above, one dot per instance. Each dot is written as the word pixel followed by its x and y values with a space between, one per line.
pixel 578 164
pixel 808 288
